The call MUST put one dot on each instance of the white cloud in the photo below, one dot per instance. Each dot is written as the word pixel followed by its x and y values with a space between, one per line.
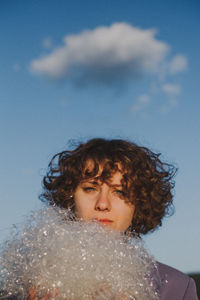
pixel 116 54
pixel 104 55
pixel 141 103
pixel 47 43
pixel 171 89
pixel 178 64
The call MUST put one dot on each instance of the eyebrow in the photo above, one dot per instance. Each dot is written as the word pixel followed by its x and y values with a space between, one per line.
pixel 116 185
pixel 90 181
pixel 95 182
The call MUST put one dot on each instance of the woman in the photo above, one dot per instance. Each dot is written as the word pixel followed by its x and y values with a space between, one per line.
pixel 122 186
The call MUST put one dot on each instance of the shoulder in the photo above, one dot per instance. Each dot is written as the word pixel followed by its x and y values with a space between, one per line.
pixel 175 285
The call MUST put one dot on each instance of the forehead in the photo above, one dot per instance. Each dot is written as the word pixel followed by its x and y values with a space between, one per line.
pixel 104 173
pixel 115 179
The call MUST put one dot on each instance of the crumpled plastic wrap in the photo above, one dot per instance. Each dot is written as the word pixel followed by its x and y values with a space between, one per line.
pixel 75 260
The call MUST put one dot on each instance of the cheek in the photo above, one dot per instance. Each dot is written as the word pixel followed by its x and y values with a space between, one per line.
pixel 83 207
pixel 126 214
pixel 125 209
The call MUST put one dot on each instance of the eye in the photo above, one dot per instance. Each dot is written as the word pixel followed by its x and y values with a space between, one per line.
pixel 88 188
pixel 119 193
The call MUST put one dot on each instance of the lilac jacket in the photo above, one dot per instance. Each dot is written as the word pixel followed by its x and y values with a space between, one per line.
pixel 176 285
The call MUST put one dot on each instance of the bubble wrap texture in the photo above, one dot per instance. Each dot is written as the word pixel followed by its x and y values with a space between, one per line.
pixel 75 260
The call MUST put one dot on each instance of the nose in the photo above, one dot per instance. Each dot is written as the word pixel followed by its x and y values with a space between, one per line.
pixel 103 200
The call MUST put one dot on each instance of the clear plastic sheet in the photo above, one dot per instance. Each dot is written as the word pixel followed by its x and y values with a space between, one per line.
pixel 51 253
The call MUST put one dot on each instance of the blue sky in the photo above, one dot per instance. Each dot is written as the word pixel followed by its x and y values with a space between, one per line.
pixel 76 70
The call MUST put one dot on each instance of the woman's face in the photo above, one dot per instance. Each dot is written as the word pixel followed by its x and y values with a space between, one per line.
pixel 104 203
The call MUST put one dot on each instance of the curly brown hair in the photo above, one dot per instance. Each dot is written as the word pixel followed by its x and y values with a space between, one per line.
pixel 147 181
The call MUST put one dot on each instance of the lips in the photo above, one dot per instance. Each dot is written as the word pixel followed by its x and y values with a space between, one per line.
pixel 104 221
